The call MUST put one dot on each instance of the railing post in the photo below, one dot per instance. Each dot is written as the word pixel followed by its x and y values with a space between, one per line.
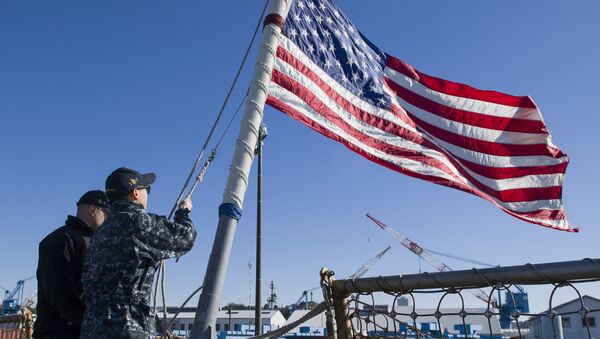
pixel 342 316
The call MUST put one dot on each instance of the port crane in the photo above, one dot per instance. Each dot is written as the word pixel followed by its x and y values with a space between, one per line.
pixel 14 299
pixel 513 301
pixel 427 256
pixel 359 273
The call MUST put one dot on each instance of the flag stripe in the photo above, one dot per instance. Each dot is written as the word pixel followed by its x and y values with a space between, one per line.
pixel 460 90
pixel 311 95
pixel 476 132
pixel 424 101
pixel 404 131
pixel 335 118
pixel 328 94
pixel 304 113
pixel 308 96
pixel 513 172
pixel 311 71
pixel 487 147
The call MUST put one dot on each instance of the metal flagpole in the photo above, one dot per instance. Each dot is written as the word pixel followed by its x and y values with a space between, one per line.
pixel 231 208
pixel 257 301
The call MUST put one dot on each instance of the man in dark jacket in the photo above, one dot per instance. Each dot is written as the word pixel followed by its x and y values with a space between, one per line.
pixel 124 255
pixel 60 296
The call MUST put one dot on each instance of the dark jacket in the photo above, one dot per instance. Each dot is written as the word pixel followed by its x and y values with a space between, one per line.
pixel 120 265
pixel 60 295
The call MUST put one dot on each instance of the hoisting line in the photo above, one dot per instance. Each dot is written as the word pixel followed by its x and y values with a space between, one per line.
pixel 161 268
pixel 213 152
pixel 237 75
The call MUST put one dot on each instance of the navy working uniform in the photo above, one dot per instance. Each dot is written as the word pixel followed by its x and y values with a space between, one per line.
pixel 60 303
pixel 120 265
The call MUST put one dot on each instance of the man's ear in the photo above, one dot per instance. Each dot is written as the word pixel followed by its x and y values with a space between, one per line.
pixel 135 194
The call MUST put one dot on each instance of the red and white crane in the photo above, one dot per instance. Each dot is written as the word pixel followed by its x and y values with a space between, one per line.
pixel 428 257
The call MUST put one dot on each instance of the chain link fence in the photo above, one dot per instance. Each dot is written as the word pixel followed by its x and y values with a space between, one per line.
pixel 358 314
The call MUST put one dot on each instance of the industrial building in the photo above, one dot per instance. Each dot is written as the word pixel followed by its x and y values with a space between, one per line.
pixel 239 321
pixel 571 325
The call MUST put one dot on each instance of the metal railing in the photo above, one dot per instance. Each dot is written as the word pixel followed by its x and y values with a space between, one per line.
pixel 357 314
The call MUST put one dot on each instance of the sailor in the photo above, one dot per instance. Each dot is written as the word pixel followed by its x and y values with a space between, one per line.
pixel 124 255
pixel 60 296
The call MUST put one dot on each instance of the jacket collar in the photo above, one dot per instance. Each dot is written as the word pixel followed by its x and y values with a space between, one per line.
pixel 78 224
pixel 126 206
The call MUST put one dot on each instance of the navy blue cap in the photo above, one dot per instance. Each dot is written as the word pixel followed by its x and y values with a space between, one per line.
pixel 96 198
pixel 124 180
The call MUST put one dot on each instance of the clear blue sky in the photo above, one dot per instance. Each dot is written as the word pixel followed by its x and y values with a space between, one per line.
pixel 89 86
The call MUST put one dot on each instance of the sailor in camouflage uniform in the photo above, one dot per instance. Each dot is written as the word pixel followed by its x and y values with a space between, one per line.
pixel 122 258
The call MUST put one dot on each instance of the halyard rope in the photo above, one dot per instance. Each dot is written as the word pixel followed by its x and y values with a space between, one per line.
pixel 161 267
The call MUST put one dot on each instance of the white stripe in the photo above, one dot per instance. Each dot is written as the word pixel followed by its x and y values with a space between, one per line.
pixel 562 224
pixel 476 132
pixel 359 125
pixel 481 158
pixel 466 104
pixel 529 206
pixel 496 160
pixel 528 181
pixel 303 108
pixel 341 90
pixel 391 139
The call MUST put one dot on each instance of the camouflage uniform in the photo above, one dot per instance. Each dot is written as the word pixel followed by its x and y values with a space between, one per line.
pixel 119 268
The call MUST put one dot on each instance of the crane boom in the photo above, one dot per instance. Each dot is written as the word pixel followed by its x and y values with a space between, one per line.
pixel 424 254
pixel 364 268
pixel 304 295
pixel 359 273
pixel 14 299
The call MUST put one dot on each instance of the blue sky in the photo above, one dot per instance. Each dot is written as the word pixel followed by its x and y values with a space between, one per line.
pixel 86 87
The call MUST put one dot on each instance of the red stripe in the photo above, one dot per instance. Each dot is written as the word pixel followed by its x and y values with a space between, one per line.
pixel 458 89
pixel 296 115
pixel 316 104
pixel 360 114
pixel 467 117
pixel 487 171
pixel 513 172
pixel 545 214
pixel 487 147
pixel 290 111
pixel 526 194
pixel 518 216
pixel 512 195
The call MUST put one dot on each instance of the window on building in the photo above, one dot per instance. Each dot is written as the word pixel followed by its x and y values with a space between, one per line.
pixel 191 325
pixel 218 327
pixel 182 327
pixel 566 322
pixel 589 321
pixel 226 327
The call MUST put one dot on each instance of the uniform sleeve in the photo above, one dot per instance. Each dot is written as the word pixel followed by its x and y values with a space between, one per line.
pixel 164 239
pixel 57 278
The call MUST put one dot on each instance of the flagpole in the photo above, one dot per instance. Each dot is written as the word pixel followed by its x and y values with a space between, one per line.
pixel 258 295
pixel 231 208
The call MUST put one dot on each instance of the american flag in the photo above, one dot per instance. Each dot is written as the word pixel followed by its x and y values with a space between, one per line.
pixel 328 76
